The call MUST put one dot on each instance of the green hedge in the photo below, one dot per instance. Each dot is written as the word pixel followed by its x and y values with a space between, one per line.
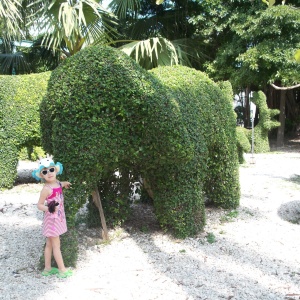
pixel 20 97
pixel 243 143
pixel 265 124
pixel 207 111
pixel 103 113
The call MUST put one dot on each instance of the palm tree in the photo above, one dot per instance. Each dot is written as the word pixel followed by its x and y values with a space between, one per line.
pixel 149 37
pixel 10 16
pixel 76 23
pixel 84 22
pixel 15 38
pixel 160 32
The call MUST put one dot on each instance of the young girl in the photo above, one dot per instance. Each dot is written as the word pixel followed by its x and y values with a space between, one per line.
pixel 51 201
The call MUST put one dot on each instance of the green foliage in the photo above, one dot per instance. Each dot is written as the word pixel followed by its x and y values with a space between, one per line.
pixel 92 217
pixel 144 196
pixel 115 202
pixel 69 247
pixel 222 184
pixel 115 197
pixel 265 124
pixel 228 217
pixel 31 153
pixel 155 52
pixel 106 114
pixel 270 3
pixel 211 238
pixel 243 143
pixel 20 97
pixel 261 130
pixel 208 116
pixel 120 119
pixel 75 24
pixel 261 48
pixel 8 163
pixel 297 55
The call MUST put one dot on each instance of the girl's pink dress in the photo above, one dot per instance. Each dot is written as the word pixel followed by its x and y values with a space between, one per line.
pixel 55 223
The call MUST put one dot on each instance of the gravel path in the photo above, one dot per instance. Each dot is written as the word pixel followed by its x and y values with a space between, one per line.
pixel 249 253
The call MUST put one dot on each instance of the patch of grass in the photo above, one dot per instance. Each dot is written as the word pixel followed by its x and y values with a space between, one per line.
pixel 118 232
pixel 145 229
pixel 211 238
pixel 182 251
pixel 249 212
pixel 107 242
pixel 229 216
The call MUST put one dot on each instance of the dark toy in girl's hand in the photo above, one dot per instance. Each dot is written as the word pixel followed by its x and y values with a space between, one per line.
pixel 51 206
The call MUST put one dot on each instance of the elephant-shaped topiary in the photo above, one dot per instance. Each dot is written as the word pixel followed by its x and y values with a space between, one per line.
pixel 265 124
pixel 20 97
pixel 111 122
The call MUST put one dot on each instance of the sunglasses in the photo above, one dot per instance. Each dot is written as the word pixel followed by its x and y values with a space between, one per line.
pixel 45 172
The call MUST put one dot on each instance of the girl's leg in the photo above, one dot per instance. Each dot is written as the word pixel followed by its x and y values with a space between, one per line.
pixel 57 253
pixel 48 254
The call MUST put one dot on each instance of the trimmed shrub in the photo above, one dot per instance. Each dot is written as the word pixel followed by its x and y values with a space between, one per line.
pixel 103 113
pixel 265 124
pixel 20 97
pixel 31 153
pixel 207 111
pixel 243 144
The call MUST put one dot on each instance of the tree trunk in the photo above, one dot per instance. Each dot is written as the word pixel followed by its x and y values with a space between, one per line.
pixel 97 201
pixel 147 188
pixel 280 132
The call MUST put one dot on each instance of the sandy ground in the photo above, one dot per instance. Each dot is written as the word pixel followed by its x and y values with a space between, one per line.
pixel 248 253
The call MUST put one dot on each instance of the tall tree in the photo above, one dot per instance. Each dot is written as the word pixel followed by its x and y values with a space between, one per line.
pixel 15 35
pixel 255 44
pixel 161 32
pixel 10 16
pixel 69 25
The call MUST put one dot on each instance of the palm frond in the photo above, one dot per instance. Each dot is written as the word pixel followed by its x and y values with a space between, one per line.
pixel 9 12
pixel 121 7
pixel 154 52
pixel 77 23
pixel 13 63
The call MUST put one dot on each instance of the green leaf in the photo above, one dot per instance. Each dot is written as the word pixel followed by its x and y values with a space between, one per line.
pixel 297 56
pixel 271 3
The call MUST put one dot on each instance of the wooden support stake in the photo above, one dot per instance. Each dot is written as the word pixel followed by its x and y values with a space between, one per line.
pixel 97 201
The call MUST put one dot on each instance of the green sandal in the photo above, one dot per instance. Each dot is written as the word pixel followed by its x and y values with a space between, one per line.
pixel 50 272
pixel 65 274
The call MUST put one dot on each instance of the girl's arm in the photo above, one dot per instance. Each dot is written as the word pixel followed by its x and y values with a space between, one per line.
pixel 44 194
pixel 65 184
